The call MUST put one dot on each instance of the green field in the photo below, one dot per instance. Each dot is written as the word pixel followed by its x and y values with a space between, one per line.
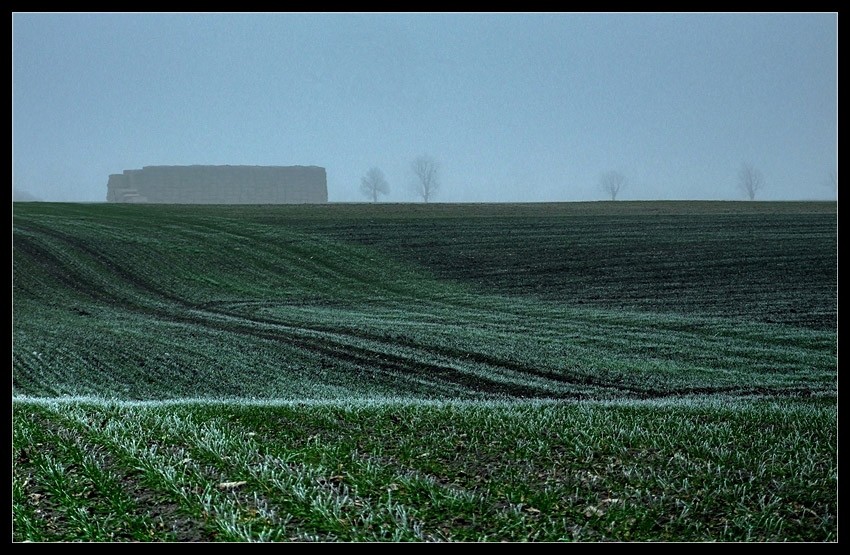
pixel 629 371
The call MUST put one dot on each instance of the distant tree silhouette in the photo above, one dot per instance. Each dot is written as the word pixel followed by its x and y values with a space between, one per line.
pixel 750 180
pixel 612 183
pixel 373 184
pixel 426 177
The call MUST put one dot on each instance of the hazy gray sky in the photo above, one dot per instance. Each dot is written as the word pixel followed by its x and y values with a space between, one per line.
pixel 514 107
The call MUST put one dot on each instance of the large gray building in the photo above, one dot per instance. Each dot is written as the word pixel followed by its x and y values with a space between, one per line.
pixel 220 185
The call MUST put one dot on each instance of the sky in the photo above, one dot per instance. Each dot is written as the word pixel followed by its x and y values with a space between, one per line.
pixel 513 107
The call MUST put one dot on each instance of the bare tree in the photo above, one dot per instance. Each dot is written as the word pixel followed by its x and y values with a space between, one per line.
pixel 612 183
pixel 427 181
pixel 373 184
pixel 750 180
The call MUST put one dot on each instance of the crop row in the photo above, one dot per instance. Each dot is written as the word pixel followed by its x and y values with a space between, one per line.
pixel 209 305
pixel 723 470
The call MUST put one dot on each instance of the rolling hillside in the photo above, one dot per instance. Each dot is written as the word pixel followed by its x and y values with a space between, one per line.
pixel 647 371
pixel 555 301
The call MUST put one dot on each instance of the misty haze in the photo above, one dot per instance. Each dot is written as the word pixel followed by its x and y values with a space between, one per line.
pixel 513 107
pixel 311 277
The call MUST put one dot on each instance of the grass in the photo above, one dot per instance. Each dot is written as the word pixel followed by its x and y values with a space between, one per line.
pixel 565 372
pixel 449 471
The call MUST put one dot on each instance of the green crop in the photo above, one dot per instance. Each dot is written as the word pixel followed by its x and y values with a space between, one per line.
pixel 558 372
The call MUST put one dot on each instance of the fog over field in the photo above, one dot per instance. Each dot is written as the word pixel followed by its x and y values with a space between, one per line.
pixel 511 107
